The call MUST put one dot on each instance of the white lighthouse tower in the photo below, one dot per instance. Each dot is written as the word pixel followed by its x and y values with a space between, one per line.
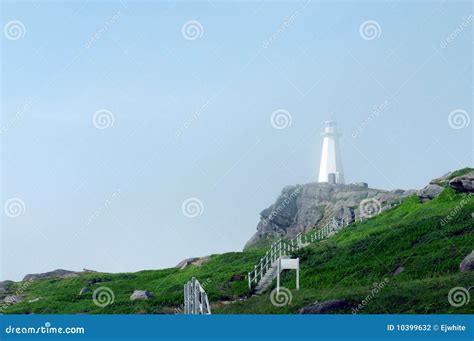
pixel 331 170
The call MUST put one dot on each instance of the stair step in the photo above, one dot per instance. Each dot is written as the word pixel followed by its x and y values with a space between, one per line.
pixel 318 235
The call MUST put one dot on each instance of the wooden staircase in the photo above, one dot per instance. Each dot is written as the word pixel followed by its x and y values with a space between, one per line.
pixel 265 271
pixel 268 278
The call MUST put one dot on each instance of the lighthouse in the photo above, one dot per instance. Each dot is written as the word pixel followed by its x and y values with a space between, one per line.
pixel 330 169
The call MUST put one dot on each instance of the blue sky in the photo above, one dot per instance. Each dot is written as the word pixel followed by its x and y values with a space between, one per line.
pixel 192 118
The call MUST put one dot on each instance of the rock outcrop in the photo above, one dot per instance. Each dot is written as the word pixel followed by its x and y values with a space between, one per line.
pixel 442 180
pixel 300 208
pixel 60 273
pixel 325 307
pixel 5 289
pixel 464 183
pixel 196 261
pixel 14 299
pixel 98 280
pixel 4 286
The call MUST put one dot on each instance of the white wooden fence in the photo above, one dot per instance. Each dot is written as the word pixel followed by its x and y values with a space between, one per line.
pixel 195 299
pixel 278 249
pixel 285 248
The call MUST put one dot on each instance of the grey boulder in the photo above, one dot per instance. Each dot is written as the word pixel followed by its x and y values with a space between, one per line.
pixel 196 261
pixel 325 307
pixel 468 263
pixel 429 192
pixel 84 291
pixel 141 295
pixel 464 183
pixel 398 271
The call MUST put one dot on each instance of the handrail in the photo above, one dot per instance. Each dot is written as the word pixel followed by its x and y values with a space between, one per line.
pixel 285 248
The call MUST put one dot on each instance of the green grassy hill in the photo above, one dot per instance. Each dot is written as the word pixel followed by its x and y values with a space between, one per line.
pixel 345 266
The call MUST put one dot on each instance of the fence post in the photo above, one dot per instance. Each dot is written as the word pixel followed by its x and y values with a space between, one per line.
pixel 185 299
pixel 193 299
pixel 298 275
pixel 278 275
pixel 190 299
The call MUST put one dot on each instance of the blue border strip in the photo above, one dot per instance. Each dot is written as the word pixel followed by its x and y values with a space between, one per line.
pixel 243 327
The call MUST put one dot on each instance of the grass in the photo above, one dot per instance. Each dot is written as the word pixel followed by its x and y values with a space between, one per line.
pixel 61 295
pixel 345 266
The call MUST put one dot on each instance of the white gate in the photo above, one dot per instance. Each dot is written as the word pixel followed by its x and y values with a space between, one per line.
pixel 195 299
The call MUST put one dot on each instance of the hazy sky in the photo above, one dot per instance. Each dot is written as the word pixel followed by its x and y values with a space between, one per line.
pixel 115 115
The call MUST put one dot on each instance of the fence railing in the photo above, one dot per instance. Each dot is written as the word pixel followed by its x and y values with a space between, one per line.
pixel 286 247
pixel 278 249
pixel 322 233
pixel 195 299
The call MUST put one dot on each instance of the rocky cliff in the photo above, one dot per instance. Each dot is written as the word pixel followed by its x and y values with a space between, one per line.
pixel 299 208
